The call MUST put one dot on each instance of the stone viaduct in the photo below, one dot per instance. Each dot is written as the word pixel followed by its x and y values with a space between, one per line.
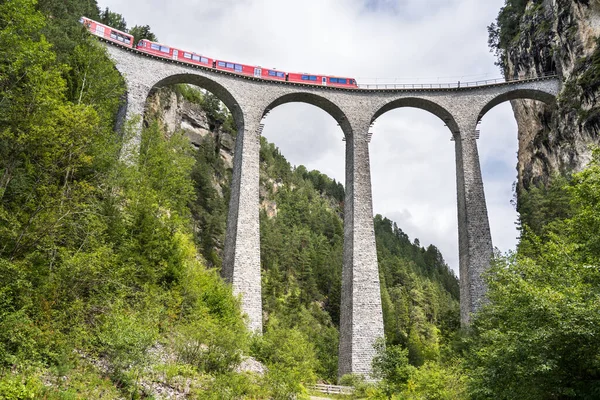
pixel 249 99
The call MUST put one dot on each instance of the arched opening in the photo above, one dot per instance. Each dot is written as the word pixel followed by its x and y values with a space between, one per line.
pixel 201 110
pixel 414 186
pixel 208 85
pixel 412 148
pixel 302 234
pixel 498 147
pixel 532 94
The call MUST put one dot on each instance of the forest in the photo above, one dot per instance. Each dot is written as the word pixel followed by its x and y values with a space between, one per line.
pixel 109 271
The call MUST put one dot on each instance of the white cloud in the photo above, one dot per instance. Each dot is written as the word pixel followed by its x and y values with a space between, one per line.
pixel 412 157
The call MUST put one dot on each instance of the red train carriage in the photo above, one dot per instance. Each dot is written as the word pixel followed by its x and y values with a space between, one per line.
pixel 243 69
pixel 341 82
pixel 271 74
pixel 322 80
pixel 255 71
pixel 108 33
pixel 172 53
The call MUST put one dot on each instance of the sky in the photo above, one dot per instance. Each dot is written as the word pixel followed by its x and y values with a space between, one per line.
pixel 385 41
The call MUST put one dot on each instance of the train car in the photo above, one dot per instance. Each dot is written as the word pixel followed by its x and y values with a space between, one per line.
pixel 108 33
pixel 249 70
pixel 322 80
pixel 243 69
pixel 160 50
pixel 272 74
pixel 341 82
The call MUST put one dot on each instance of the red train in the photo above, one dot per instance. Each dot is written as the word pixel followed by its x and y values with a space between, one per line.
pixel 108 33
pixel 161 50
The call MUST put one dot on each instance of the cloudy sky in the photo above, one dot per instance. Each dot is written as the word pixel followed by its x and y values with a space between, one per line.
pixel 424 41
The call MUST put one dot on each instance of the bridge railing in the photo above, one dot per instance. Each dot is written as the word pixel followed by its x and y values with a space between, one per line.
pixel 449 85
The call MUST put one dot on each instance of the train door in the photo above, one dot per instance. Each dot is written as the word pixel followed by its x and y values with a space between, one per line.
pixel 324 81
pixel 175 54
pixel 257 72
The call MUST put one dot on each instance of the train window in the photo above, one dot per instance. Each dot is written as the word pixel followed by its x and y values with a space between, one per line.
pixel 238 67
pixel 272 73
pixel 222 64
pixel 313 78
pixel 342 81
pixel 305 77
pixel 230 65
pixel 280 74
pixel 187 55
pixel 196 58
pixel 165 49
pixel 127 40
pixel 155 46
pixel 333 80
pixel 204 60
pixel 113 35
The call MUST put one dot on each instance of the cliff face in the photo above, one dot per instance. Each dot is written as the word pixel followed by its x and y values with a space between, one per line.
pixel 175 113
pixel 561 36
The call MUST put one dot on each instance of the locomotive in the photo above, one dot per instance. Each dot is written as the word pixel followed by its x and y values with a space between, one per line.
pixel 168 52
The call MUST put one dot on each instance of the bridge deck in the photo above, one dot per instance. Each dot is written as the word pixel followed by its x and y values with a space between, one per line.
pixel 376 87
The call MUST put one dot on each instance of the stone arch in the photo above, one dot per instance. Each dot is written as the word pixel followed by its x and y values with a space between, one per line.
pixel 316 100
pixel 423 104
pixel 212 86
pixel 531 94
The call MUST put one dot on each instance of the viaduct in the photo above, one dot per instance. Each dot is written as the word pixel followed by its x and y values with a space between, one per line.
pixel 249 99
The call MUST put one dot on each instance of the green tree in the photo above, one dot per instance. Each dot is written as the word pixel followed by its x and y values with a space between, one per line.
pixel 140 32
pixel 434 381
pixel 113 19
pixel 391 366
pixel 536 338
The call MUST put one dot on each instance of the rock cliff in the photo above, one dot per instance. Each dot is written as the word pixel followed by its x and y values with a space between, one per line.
pixel 547 36
pixel 175 113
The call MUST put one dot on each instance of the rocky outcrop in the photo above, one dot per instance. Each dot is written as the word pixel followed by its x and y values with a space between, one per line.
pixel 175 113
pixel 556 36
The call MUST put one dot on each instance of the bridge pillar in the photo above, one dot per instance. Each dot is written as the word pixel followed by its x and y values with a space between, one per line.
pixel 361 316
pixel 474 236
pixel 137 94
pixel 241 259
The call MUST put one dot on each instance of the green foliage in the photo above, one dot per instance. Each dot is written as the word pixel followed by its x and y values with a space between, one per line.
pixel 124 335
pixel 113 19
pixel 97 261
pixel 419 294
pixel 536 337
pixel 509 27
pixel 209 209
pixel 434 381
pixel 23 386
pixel 391 366
pixel 539 206
pixel 290 359
pixel 142 32
pixel 210 346
pixel 234 386
pixel 62 27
